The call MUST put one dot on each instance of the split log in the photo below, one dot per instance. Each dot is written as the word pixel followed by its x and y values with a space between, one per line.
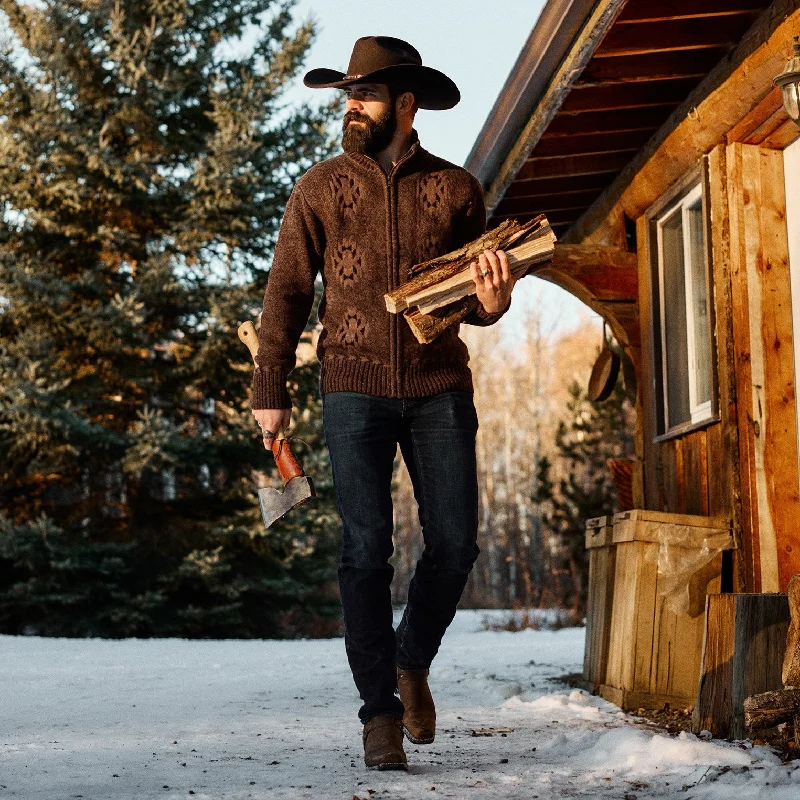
pixel 444 280
pixel 426 327
pixel 762 711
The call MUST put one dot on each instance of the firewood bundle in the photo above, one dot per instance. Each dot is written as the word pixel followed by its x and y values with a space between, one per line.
pixel 441 291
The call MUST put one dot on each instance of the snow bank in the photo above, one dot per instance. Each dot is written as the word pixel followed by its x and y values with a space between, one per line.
pixel 224 720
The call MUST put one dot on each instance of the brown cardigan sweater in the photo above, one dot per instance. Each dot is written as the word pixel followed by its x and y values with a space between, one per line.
pixel 363 230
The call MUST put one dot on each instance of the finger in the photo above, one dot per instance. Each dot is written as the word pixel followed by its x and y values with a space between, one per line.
pixel 494 261
pixel 475 274
pixel 505 269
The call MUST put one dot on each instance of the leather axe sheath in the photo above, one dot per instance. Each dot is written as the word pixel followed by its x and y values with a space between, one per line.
pixel 298 488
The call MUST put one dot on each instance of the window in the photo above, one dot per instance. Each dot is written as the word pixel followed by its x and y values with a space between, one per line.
pixel 682 314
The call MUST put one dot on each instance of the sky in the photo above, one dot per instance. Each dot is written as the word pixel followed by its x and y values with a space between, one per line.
pixel 474 42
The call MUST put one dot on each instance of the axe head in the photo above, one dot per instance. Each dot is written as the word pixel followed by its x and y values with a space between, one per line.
pixel 274 504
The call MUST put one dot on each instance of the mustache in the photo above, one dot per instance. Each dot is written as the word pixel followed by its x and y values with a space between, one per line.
pixel 354 116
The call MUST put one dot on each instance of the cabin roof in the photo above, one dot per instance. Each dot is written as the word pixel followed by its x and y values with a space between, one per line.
pixel 593 84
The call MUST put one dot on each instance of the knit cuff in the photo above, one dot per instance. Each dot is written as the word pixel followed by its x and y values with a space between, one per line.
pixel 480 316
pixel 269 389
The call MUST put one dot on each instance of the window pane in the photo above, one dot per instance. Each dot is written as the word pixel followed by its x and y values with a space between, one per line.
pixel 676 355
pixel 699 301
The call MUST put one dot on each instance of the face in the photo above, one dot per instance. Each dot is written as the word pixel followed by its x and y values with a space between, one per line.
pixel 370 118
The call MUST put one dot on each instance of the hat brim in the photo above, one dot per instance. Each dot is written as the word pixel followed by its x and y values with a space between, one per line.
pixel 432 89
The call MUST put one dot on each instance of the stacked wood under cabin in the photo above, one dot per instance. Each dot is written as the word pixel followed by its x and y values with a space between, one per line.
pixel 647 99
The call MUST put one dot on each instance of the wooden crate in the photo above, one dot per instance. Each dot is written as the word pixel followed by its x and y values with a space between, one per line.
pixel 655 649
pixel 599 543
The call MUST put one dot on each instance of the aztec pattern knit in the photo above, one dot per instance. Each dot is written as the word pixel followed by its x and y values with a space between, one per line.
pixel 363 230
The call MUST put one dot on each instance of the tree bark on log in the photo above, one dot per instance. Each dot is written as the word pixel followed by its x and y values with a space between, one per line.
pixel 441 291
pixel 771 708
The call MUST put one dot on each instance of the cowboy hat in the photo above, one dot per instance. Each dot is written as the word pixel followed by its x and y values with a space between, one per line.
pixel 384 59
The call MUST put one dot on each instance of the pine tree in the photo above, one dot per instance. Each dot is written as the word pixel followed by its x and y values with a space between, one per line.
pixel 146 156
pixel 577 485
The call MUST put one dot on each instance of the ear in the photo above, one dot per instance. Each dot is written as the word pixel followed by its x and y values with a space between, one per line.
pixel 406 103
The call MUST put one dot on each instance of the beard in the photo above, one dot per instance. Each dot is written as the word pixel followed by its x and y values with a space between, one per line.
pixel 373 136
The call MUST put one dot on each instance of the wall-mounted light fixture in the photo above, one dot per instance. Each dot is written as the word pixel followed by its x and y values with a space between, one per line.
pixel 789 83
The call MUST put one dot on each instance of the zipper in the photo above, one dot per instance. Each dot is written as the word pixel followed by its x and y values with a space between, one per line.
pixel 395 331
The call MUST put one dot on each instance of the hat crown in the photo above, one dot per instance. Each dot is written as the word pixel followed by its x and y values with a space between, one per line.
pixel 371 53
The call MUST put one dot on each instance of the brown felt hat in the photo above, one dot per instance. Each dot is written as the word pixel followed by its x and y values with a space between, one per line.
pixel 384 59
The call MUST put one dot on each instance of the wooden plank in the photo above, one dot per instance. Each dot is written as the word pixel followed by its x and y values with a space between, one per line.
pixel 724 479
pixel 628 95
pixel 649 67
pixel 765 250
pixel 782 137
pixel 640 515
pixel 546 186
pixel 523 205
pixel 668 458
pixel 713 710
pixel 631 701
pixel 599 22
pixel 680 474
pixel 672 35
pixel 618 670
pixel 646 431
pixel 593 122
pixel 574 165
pixel 768 128
pixel 644 637
pixel 590 144
pixel 695 478
pixel 655 10
pixel 761 112
pixel 727 93
pixel 762 622
pixel 600 602
pixel 740 313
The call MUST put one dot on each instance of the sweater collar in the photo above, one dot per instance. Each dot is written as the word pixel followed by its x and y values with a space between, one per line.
pixel 367 161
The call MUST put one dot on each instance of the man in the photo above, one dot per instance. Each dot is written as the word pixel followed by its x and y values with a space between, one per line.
pixel 362 220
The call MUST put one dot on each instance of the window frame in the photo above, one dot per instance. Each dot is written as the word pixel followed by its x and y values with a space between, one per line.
pixel 693 185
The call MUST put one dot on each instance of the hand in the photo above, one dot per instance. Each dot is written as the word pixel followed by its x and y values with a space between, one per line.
pixel 493 280
pixel 272 421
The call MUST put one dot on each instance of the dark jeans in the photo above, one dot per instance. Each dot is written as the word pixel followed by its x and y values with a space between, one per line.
pixel 436 435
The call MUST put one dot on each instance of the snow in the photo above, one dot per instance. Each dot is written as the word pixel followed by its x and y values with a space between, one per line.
pixel 231 719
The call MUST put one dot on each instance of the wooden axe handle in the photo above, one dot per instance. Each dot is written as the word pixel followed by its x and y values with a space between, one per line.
pixel 288 465
pixel 247 333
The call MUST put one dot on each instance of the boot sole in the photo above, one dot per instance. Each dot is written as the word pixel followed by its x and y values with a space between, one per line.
pixel 385 767
pixel 417 740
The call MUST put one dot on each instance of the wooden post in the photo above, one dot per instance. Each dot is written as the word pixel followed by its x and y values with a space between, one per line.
pixel 743 650
pixel 764 360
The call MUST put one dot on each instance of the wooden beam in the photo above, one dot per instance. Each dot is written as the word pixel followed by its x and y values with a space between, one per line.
pixel 546 203
pixel 649 67
pixel 573 165
pixel 672 35
pixel 578 56
pixel 627 95
pixel 591 144
pixel 547 186
pixel 720 101
pixel 634 119
pixel 656 10
pixel 759 249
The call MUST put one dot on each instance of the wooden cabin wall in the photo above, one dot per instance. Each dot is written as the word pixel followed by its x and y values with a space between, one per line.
pixel 745 466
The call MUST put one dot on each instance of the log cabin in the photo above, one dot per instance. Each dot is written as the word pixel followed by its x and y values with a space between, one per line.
pixel 651 134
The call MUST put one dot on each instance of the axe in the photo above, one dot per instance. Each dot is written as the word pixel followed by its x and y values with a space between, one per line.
pixel 297 486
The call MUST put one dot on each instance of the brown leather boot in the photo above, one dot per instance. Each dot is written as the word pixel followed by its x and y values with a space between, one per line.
pixel 383 743
pixel 419 721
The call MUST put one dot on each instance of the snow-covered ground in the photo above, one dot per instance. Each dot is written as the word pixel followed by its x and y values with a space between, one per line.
pixel 171 718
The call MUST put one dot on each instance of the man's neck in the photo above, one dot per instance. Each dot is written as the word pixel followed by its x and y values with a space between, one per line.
pixel 397 148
